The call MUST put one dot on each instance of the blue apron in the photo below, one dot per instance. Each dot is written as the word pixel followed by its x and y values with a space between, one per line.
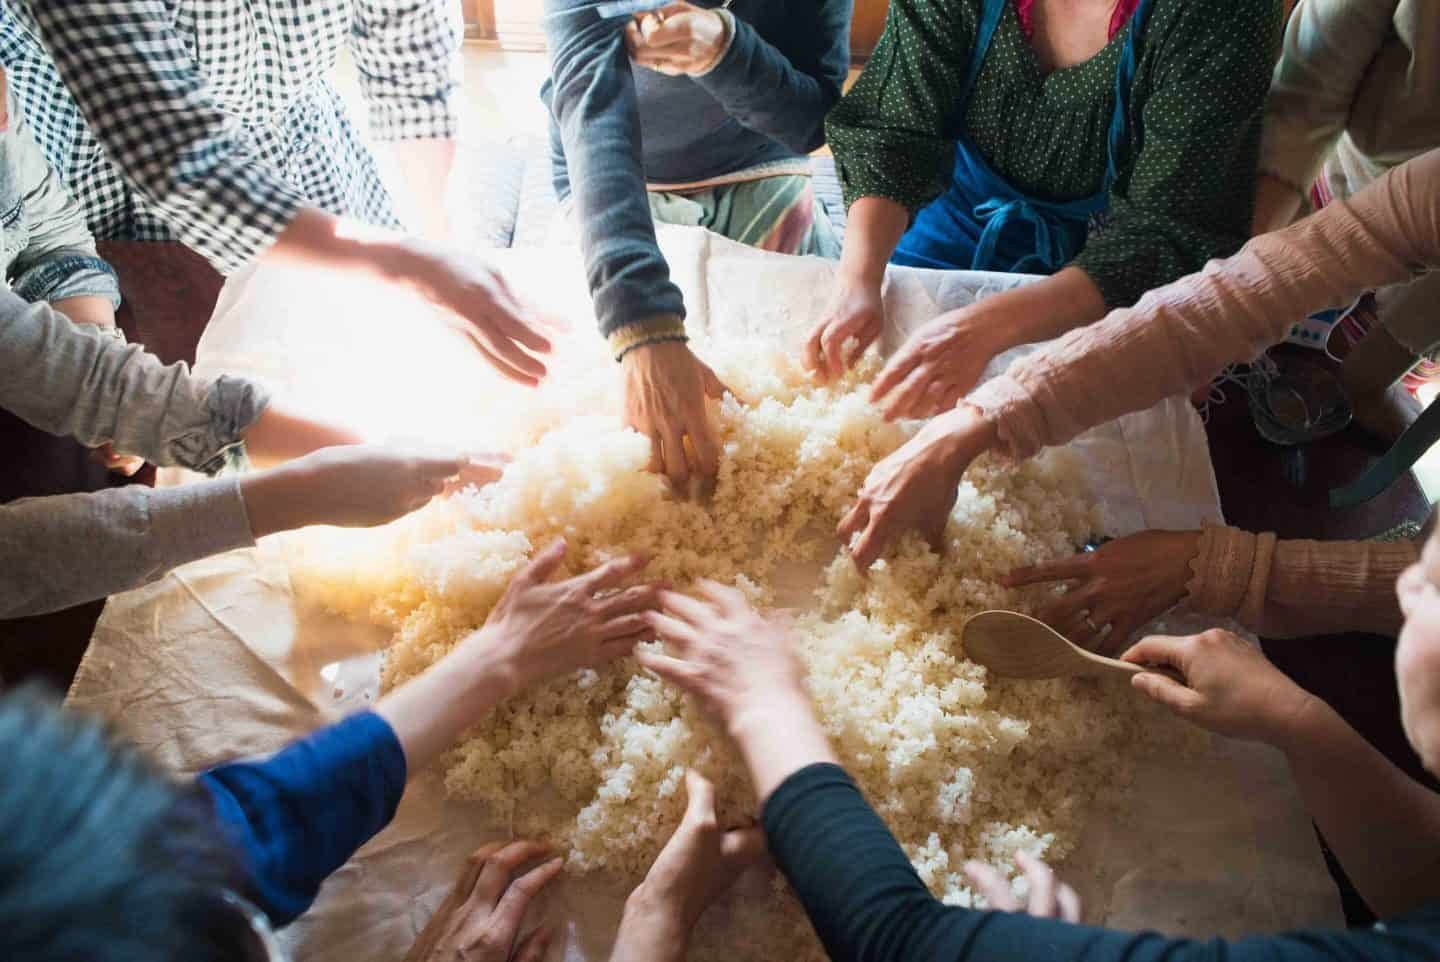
pixel 983 223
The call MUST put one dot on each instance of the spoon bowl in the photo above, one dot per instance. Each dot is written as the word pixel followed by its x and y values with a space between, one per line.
pixel 1012 645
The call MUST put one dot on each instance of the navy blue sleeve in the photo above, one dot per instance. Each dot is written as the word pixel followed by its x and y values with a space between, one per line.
pixel 784 90
pixel 592 97
pixel 298 816
pixel 868 905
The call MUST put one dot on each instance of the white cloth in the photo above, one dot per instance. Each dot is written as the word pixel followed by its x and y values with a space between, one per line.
pixel 216 659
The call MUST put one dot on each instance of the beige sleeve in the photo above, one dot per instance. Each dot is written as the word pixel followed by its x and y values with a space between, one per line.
pixel 1289 589
pixel 1180 336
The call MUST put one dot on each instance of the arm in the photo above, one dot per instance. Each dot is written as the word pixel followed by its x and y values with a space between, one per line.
pixel 1189 193
pixel 408 56
pixel 786 92
pixel 1176 338
pixel 1290 589
pixel 1327 50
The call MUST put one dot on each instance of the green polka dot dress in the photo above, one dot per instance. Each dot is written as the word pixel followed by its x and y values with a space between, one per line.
pixel 1186 177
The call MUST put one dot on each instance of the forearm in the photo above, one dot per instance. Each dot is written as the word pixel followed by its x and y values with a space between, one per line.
pixel 87 309
pixel 428 713
pixel 278 435
pixel 872 233
pixel 425 166
pixel 1383 826
pixel 771 760
pixel 69 549
pixel 1044 310
pixel 646 935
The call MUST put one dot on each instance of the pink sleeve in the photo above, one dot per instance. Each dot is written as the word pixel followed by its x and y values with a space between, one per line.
pixel 1180 336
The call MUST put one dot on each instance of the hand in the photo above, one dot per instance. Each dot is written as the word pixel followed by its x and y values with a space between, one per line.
pixel 480 919
pixel 541 629
pixel 723 652
pixel 678 40
pixel 1229 688
pixel 915 487
pixel 854 321
pixel 666 387
pixel 694 869
pixel 356 486
pixel 937 366
pixel 1048 898
pixel 1123 585
pixel 122 464
pixel 479 304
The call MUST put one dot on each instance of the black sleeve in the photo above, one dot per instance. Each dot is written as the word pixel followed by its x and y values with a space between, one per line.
pixel 868 905
pixel 783 89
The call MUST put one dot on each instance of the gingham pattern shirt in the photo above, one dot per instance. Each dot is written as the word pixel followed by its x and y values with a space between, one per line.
pixel 212 121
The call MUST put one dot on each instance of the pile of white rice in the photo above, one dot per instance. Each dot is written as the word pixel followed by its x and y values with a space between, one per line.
pixel 958 766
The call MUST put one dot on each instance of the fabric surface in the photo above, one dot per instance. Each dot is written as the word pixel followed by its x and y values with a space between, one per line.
pixel 1178 337
pixel 1358 83
pixel 87 383
pixel 212 121
pixel 46 252
pixel 300 814
pixel 1184 188
pixel 1294 589
pixel 777 214
pixel 868 905
pixel 764 101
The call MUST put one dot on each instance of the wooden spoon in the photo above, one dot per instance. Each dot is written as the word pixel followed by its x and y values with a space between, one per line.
pixel 1012 645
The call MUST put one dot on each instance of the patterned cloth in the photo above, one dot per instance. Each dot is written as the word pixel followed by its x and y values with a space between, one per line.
pixel 1184 187
pixel 212 121
pixel 779 214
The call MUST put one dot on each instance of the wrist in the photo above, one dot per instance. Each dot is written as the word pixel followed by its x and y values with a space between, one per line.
pixel 1300 727
pixel 628 339
pixel 961 435
pixel 275 500
pixel 653 928
pixel 487 663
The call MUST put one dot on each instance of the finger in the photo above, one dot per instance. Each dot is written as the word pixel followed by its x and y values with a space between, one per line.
pixel 1159 650
pixel 832 345
pixel 1066 569
pixel 681 674
pixel 623 627
pixel 673 449
pixel 611 573
pixel 630 601
pixel 729 600
pixel 1167 691
pixel 707 454
pixel 856 519
pixel 500 868
pixel 470 872
pixel 813 359
pixel 544 564
pixel 506 370
pixel 999 896
pixel 512 354
pixel 905 400
pixel 510 911
pixel 618 647
pixel 534 946
pixel 894 373
pixel 853 347
pixel 687 609
pixel 700 803
pixel 714 387
pixel 1071 606
pixel 657 457
pixel 871 543
pixel 1042 886
pixel 672 630
pixel 1069 903
pixel 513 323
pixel 633 40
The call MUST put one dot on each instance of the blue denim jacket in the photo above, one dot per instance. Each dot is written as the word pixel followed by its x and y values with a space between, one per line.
pixel 46 251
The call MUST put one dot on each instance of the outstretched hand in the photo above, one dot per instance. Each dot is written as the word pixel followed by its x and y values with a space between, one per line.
pixel 480 920
pixel 667 395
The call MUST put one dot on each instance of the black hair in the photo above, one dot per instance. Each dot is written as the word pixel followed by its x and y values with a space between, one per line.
pixel 102 858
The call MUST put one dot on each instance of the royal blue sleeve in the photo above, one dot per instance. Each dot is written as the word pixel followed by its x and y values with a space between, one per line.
pixel 298 816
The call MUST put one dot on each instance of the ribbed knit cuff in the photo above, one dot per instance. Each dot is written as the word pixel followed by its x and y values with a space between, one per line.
pixel 651 330
pixel 1229 574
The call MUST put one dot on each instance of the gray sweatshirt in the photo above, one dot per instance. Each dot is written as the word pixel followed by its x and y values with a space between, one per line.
pixel 87 383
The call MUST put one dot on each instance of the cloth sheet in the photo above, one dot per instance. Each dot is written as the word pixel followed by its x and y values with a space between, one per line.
pixel 218 659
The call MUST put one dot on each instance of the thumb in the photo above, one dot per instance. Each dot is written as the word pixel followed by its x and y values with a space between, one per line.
pixel 700 808
pixel 544 564
pixel 1159 650
pixel 1166 691
pixel 716 388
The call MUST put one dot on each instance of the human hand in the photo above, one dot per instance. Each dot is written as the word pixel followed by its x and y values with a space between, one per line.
pixel 697 865
pixel 480 919
pixel 915 487
pixel 854 321
pixel 111 460
pixel 937 365
pixel 1049 898
pixel 356 486
pixel 723 652
pixel 478 303
pixel 541 629
pixel 1229 687
pixel 1124 585
pixel 677 40
pixel 666 389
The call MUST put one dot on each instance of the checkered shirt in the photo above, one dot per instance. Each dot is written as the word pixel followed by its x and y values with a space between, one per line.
pixel 212 121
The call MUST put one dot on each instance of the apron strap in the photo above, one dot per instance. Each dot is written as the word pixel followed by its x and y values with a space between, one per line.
pixel 1124 80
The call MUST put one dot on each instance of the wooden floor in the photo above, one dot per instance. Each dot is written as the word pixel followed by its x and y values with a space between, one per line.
pixel 170 293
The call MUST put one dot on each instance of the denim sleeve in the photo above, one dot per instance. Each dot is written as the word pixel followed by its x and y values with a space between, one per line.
pixel 868 905
pixel 784 89
pixel 593 99
pixel 299 815
pixel 60 260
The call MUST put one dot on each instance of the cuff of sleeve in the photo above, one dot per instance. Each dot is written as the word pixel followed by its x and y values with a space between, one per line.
pixel 68 274
pixel 821 775
pixel 1224 572
pixel 233 404
pixel 196 521
pixel 435 117
pixel 1019 427
pixel 651 330
pixel 731 26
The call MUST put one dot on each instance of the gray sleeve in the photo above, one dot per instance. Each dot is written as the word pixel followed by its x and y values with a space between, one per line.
pixel 80 381
pixel 72 548
pixel 60 259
